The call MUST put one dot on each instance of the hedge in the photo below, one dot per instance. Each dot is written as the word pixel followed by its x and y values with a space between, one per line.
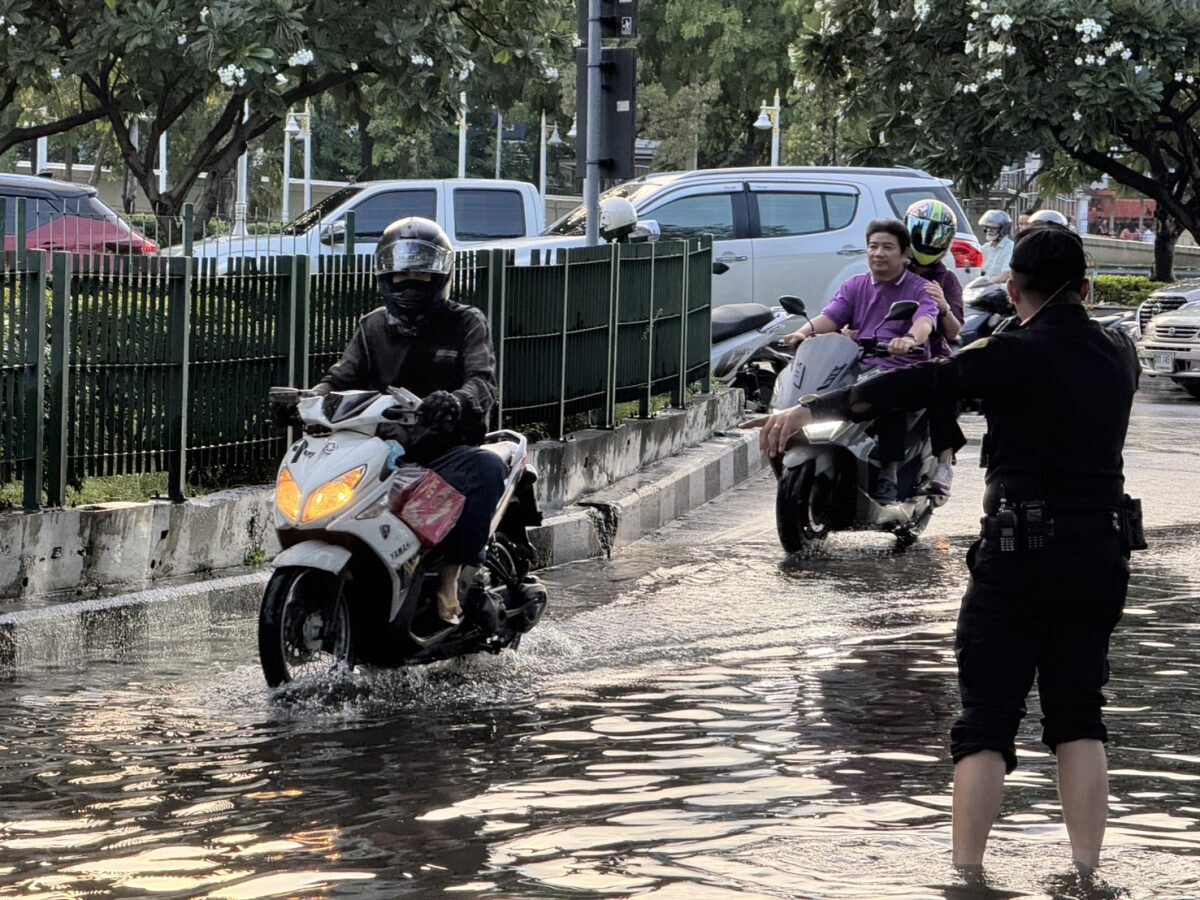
pixel 1123 290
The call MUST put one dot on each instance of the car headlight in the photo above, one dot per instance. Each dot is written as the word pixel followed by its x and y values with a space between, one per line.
pixel 332 495
pixel 823 431
pixel 287 495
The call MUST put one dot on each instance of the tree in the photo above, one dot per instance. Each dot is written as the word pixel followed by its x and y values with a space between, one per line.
pixel 678 121
pixel 257 58
pixel 963 88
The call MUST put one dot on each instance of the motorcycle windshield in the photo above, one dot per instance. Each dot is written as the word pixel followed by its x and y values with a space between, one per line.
pixel 822 364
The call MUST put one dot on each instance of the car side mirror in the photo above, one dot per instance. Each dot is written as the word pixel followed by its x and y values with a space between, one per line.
pixel 334 234
pixel 645 230
pixel 793 305
pixel 901 310
pixel 720 268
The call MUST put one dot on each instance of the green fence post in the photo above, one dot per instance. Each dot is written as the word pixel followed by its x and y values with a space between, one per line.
pixel 21 224
pixel 33 334
pixel 706 252
pixel 680 391
pixel 497 270
pixel 562 383
pixel 302 319
pixel 646 403
pixel 351 221
pixel 189 222
pixel 180 273
pixel 3 221
pixel 57 453
pixel 609 413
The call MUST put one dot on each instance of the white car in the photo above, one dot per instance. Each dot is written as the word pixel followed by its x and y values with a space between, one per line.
pixel 472 210
pixel 1169 346
pixel 794 230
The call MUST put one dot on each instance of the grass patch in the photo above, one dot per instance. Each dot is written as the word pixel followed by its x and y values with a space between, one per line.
pixel 105 489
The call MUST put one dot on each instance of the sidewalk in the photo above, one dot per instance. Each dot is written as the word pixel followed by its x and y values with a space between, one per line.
pixel 57 631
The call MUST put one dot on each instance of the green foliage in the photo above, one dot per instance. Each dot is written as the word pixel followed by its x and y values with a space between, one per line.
pixel 1123 290
pixel 677 120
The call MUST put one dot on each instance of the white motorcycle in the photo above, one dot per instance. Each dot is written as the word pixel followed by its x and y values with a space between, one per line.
pixel 356 580
pixel 744 354
pixel 828 473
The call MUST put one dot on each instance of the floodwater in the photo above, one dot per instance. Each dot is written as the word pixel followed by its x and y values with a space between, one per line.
pixel 693 719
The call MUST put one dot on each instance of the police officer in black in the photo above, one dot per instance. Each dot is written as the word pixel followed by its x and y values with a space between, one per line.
pixel 1049 573
pixel 441 351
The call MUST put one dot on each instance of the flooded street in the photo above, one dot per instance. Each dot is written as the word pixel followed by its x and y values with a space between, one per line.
pixel 691 720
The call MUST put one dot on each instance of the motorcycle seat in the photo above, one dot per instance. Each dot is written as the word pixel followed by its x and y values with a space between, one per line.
pixel 503 449
pixel 737 318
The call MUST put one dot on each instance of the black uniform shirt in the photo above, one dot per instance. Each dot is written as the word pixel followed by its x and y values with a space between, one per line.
pixel 451 351
pixel 1057 393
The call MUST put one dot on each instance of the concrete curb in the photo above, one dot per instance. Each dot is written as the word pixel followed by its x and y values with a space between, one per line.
pixel 58 632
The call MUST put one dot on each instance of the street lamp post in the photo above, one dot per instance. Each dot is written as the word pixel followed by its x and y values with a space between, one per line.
pixel 291 130
pixel 554 140
pixel 307 118
pixel 242 203
pixel 768 117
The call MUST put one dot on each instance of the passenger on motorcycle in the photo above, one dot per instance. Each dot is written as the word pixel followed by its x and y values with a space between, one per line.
pixel 932 226
pixel 862 304
pixel 997 246
pixel 441 351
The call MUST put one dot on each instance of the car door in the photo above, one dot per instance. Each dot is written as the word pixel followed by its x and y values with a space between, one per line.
pixel 719 210
pixel 808 238
pixel 375 212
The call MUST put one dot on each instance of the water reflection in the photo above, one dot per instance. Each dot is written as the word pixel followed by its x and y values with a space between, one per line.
pixel 715 728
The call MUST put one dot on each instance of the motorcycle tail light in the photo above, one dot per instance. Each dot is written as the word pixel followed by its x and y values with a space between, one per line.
pixel 287 496
pixel 966 254
pixel 332 495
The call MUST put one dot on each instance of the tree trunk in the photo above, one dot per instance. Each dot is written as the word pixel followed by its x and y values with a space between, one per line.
pixel 1166 233
pixel 366 146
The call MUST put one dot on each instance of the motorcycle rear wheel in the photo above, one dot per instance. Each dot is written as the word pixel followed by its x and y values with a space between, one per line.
pixel 304 625
pixel 803 508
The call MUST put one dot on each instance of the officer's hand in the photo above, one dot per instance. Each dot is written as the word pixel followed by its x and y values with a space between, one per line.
pixel 284 414
pixel 441 409
pixel 902 345
pixel 795 339
pixel 778 428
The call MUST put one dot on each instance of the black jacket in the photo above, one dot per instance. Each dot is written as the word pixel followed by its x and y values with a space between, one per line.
pixel 1056 393
pixel 451 351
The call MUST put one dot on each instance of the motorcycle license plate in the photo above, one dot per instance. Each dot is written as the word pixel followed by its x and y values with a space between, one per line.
pixel 1164 362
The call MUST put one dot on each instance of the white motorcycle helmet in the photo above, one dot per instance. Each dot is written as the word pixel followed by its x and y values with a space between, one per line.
pixel 996 218
pixel 618 218
pixel 1049 216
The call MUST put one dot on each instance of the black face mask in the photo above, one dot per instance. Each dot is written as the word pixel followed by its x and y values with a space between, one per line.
pixel 409 301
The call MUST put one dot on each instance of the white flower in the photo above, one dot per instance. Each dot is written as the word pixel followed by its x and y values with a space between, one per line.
pixel 353 67
pixel 975 15
pixel 56 73
pixel 1191 79
pixel 231 75
pixel 1179 76
pixel 994 47
pixel 1079 60
pixel 12 30
pixel 993 74
pixel 1139 69
pixel 918 121
pixel 301 57
pixel 877 31
pixel 1126 53
pixel 906 88
pixel 2 20
pixel 203 13
pixel 970 89
pixel 1101 61
pixel 968 48
pixel 420 59
pixel 1088 30
pixel 181 40
pixel 280 78
pixel 921 9
pixel 1114 48
pixel 1002 22
pixel 1091 59
pixel 1077 116
pixel 1010 50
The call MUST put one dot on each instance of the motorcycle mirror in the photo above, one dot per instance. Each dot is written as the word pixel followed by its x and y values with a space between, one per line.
pixel 720 268
pixel 791 304
pixel 900 310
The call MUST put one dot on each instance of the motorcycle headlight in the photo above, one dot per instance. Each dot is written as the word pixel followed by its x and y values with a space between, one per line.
pixel 822 431
pixel 287 496
pixel 332 495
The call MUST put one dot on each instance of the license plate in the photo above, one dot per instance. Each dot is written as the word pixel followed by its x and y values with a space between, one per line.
pixel 1164 362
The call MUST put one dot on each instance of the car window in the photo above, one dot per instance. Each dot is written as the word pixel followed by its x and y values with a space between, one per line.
pixel 319 210
pixel 781 214
pixel 38 211
pixel 902 198
pixel 481 214
pixel 575 222
pixel 691 217
pixel 376 213
pixel 840 210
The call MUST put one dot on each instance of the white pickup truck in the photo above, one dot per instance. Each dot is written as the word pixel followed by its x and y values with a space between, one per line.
pixel 472 210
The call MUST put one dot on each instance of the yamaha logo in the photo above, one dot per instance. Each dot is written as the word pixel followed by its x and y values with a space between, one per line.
pixel 330 446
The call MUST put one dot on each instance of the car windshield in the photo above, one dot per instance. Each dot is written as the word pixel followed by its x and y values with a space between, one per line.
pixel 314 214
pixel 575 222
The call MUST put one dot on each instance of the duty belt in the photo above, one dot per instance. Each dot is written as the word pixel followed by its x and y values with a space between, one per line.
pixel 1029 526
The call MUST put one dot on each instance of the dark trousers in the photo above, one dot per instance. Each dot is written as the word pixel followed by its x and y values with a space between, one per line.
pixel 944 433
pixel 1046 614
pixel 478 475
pixel 891 427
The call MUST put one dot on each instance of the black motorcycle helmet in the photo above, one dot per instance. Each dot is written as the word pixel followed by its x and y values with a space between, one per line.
pixel 418 252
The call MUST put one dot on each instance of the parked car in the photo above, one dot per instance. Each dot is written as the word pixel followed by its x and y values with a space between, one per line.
pixel 794 230
pixel 68 217
pixel 1169 321
pixel 471 210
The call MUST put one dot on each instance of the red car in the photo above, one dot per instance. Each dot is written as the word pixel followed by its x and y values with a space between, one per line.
pixel 66 217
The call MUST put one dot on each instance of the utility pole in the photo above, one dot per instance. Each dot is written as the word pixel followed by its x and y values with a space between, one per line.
pixel 591 185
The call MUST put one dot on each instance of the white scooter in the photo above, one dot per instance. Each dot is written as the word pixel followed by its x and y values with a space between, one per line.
pixel 743 355
pixel 828 473
pixel 356 580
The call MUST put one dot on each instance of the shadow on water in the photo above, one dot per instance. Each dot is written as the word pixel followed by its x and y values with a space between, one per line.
pixel 688 723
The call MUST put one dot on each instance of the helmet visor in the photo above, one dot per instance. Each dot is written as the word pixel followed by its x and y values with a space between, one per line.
pixel 929 236
pixel 408 255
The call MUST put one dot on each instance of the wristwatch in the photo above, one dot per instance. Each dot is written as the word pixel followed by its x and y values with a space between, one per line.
pixel 809 399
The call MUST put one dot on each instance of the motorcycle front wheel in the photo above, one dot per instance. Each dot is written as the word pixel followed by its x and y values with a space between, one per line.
pixel 803 507
pixel 304 628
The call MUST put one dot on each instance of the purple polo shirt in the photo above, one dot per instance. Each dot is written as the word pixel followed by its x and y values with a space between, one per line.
pixel 952 288
pixel 862 303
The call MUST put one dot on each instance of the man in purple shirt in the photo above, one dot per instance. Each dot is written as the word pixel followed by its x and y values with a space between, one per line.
pixel 861 305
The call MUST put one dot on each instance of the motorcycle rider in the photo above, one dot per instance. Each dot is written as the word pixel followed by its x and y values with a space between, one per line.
pixel 997 247
pixel 861 304
pixel 933 226
pixel 441 351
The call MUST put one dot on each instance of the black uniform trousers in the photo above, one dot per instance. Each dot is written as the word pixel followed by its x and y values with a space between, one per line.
pixel 1046 613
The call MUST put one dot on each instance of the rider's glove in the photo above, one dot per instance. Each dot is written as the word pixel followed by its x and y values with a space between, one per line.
pixel 395 454
pixel 441 409
pixel 284 414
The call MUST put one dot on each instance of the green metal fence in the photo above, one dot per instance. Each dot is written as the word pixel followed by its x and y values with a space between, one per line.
pixel 117 365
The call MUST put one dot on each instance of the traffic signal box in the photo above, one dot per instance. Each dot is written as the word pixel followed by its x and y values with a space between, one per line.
pixel 618 89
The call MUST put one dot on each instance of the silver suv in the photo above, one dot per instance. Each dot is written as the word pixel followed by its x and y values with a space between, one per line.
pixel 784 230
pixel 1169 321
